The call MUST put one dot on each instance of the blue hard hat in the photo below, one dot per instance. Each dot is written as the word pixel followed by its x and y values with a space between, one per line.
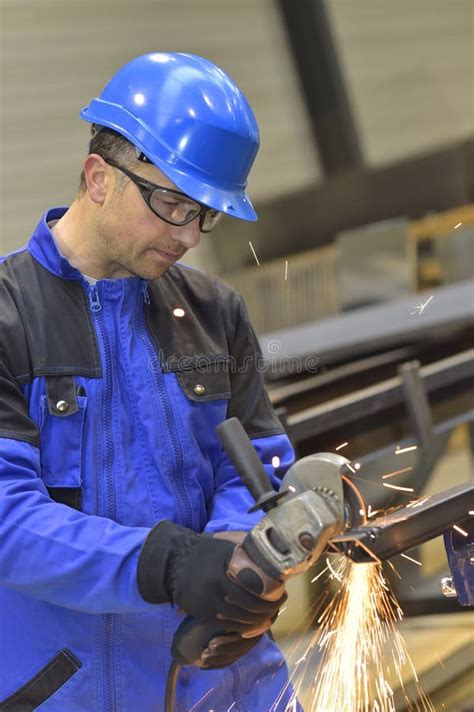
pixel 190 120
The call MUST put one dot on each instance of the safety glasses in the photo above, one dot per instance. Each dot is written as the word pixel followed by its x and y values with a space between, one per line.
pixel 170 205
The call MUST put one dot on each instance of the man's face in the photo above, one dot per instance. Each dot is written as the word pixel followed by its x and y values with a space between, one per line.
pixel 134 240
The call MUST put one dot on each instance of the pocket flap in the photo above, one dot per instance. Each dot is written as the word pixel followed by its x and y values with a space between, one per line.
pixel 45 683
pixel 62 399
pixel 61 439
pixel 206 381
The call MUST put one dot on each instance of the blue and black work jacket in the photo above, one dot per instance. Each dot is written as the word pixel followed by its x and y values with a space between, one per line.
pixel 109 399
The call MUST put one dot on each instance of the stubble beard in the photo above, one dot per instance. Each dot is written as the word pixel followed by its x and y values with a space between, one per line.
pixel 120 252
pixel 120 248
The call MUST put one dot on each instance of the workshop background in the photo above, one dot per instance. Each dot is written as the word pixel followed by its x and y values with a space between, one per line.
pixel 359 273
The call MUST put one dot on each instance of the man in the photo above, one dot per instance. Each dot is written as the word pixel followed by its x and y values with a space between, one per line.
pixel 116 365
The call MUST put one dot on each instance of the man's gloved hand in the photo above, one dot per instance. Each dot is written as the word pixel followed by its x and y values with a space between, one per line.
pixel 179 566
pixel 223 650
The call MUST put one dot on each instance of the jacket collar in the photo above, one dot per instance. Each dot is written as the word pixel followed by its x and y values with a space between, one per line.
pixel 43 247
pixel 45 251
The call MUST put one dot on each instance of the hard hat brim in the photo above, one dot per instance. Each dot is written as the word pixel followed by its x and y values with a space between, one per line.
pixel 232 201
pixel 236 204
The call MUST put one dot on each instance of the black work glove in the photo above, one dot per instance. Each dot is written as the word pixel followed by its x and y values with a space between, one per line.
pixel 179 566
pixel 224 650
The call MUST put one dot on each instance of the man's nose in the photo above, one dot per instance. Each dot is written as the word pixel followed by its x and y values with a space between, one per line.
pixel 187 235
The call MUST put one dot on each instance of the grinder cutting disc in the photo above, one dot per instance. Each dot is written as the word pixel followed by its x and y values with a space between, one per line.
pixel 323 473
pixel 354 505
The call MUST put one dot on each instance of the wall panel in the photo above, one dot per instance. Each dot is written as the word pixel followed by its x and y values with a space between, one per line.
pixel 58 54
pixel 409 67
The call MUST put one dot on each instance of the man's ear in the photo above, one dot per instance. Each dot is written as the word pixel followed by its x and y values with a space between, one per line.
pixel 97 177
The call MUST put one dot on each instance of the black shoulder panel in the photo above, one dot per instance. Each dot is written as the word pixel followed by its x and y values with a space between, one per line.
pixel 45 330
pixel 196 337
pixel 212 343
pixel 250 402
pixel 15 422
pixel 45 323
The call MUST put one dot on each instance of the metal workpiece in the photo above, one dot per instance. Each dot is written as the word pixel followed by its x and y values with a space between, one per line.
pixel 406 527
pixel 291 537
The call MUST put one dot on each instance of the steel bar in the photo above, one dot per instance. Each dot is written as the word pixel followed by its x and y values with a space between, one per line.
pixel 395 532
pixel 378 398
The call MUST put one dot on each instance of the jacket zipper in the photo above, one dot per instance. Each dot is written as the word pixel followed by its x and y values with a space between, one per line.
pixel 110 509
pixel 183 499
pixel 177 450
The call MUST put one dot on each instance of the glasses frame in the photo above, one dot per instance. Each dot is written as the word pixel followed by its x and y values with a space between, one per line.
pixel 147 188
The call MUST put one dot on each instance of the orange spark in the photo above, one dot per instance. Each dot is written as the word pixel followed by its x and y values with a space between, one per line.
pixel 359 641
pixel 397 472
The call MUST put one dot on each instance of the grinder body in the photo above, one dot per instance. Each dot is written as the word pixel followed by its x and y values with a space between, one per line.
pixel 297 527
pixel 317 505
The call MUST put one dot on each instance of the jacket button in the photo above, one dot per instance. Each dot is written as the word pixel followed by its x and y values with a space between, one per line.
pixel 199 389
pixel 62 406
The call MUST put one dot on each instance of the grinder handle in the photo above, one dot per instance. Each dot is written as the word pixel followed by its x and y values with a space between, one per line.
pixel 193 636
pixel 246 461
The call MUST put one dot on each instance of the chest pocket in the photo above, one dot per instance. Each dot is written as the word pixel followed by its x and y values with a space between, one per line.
pixel 206 379
pixel 62 417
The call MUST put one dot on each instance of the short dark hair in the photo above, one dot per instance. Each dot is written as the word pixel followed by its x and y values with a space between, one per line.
pixel 110 145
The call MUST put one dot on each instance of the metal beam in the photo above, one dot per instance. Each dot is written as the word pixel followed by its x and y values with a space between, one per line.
pixel 417 404
pixel 283 394
pixel 343 337
pixel 378 398
pixel 309 31
pixel 415 185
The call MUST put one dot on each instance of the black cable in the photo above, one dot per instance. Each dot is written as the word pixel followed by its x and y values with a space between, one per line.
pixel 171 686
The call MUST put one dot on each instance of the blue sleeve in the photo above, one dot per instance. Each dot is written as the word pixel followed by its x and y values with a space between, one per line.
pixel 232 500
pixel 57 554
